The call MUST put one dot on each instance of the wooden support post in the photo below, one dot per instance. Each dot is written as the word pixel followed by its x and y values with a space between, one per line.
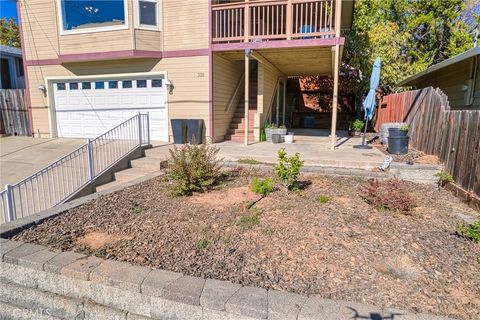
pixel 336 67
pixel 247 93
pixel 284 98
pixel 335 97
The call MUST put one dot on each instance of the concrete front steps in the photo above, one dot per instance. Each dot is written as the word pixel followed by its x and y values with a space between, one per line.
pixel 150 163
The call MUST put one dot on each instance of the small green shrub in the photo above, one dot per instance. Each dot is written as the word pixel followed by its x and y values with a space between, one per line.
pixel 202 244
pixel 248 221
pixel 403 127
pixel 137 209
pixel 323 199
pixel 357 125
pixel 249 161
pixel 443 178
pixel 388 195
pixel 288 168
pixel 262 186
pixel 192 168
pixel 470 231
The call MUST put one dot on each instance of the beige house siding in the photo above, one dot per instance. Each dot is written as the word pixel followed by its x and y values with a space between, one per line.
pixel 267 81
pixel 190 98
pixel 226 76
pixel 450 80
pixel 40 29
pixel 185 24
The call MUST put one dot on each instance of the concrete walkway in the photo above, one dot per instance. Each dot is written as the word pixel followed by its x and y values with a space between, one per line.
pixel 23 156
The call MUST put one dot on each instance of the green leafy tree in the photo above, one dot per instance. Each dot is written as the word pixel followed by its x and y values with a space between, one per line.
pixel 9 35
pixel 409 36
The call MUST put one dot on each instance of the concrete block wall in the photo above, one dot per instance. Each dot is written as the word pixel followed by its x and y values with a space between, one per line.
pixel 41 283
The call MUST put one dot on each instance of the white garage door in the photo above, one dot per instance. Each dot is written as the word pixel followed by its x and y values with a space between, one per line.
pixel 88 108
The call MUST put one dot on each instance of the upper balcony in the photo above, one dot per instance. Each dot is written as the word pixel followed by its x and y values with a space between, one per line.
pixel 273 20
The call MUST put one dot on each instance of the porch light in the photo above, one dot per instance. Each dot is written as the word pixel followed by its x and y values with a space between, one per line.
pixel 170 86
pixel 42 89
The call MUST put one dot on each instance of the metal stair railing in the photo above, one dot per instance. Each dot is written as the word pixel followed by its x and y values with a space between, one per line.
pixel 61 180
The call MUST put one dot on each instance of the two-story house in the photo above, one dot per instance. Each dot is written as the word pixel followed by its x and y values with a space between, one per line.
pixel 92 64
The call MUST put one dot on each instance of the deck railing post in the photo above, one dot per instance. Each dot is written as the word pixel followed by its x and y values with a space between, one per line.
pixel 139 129
pixel 148 128
pixel 246 23
pixel 289 19
pixel 91 173
pixel 10 203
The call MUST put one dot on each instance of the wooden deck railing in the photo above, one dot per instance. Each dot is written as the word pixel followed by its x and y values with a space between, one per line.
pixel 265 20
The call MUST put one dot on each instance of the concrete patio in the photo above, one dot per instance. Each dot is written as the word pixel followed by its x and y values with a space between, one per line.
pixel 313 146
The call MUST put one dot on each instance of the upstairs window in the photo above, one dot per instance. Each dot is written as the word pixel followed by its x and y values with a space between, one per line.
pixel 78 16
pixel 147 14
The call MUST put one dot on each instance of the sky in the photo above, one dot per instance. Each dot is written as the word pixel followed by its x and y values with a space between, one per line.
pixel 8 9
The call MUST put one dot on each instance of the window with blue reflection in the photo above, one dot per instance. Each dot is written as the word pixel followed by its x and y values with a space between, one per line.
pixel 112 84
pixel 99 85
pixel 126 83
pixel 141 83
pixel 73 85
pixel 87 14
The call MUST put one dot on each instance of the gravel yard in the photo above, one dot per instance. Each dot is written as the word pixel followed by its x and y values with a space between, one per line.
pixel 342 248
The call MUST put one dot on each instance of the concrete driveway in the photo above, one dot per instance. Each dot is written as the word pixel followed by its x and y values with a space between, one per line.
pixel 23 156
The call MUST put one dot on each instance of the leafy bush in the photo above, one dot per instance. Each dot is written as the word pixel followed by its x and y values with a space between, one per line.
pixel 390 194
pixel 323 199
pixel 192 168
pixel 262 186
pixel 471 231
pixel 403 127
pixel 357 125
pixel 443 178
pixel 288 168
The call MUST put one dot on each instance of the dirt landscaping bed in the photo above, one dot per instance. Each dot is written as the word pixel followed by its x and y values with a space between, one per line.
pixel 339 248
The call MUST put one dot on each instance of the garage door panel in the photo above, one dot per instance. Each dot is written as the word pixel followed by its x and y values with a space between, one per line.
pixel 90 113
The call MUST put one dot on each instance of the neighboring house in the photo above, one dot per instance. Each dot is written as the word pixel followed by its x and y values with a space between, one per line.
pixel 458 77
pixel 12 68
pixel 92 64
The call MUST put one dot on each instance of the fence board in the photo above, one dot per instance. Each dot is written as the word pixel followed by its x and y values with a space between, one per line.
pixel 14 113
pixel 452 135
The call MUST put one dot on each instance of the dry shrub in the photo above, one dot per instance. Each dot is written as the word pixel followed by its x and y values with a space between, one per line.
pixel 192 168
pixel 390 194
pixel 402 267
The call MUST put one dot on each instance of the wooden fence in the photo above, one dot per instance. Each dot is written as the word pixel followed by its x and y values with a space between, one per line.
pixel 14 113
pixel 452 135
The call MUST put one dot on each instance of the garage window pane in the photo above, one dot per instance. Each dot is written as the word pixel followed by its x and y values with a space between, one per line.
pixel 141 83
pixel 127 84
pixel 112 84
pixel 60 86
pixel 73 86
pixel 148 12
pixel 86 85
pixel 156 83
pixel 99 85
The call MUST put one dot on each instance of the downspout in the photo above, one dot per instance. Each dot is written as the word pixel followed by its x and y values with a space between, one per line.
pixel 25 69
pixel 473 79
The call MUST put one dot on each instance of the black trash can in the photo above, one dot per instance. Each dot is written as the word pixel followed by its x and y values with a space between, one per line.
pixel 195 131
pixel 179 130
pixel 398 145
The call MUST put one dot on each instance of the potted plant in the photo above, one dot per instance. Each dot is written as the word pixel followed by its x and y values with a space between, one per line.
pixel 272 128
pixel 398 132
pixel 355 128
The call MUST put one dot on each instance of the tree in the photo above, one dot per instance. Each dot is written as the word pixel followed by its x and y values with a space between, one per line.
pixel 409 36
pixel 9 35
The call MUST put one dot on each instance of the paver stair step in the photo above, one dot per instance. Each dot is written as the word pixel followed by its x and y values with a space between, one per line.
pixel 238 138
pixel 149 163
pixel 131 174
